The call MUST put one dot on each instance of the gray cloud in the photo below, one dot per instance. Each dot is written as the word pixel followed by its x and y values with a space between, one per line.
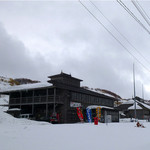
pixel 15 60
pixel 47 37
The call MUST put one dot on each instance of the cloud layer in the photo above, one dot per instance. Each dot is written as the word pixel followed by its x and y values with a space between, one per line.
pixel 38 39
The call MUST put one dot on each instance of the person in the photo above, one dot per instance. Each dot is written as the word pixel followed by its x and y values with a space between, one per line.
pixel 139 125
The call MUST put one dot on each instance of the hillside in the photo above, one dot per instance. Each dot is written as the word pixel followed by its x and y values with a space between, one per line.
pixel 9 82
pixel 103 91
pixel 6 82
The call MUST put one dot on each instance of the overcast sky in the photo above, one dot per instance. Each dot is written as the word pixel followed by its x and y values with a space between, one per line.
pixel 39 39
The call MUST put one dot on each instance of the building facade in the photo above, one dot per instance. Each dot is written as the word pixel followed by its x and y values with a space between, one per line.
pixel 61 95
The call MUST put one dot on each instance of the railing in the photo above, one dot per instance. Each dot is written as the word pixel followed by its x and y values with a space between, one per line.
pixel 36 99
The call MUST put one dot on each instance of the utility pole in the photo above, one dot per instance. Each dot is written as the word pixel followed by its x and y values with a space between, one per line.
pixel 134 92
pixel 142 92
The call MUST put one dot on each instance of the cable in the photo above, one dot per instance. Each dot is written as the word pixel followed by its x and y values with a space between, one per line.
pixel 132 15
pixel 121 33
pixel 139 10
pixel 143 10
pixel 114 36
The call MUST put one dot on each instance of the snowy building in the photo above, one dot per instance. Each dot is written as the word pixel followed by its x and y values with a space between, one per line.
pixel 62 94
pixel 128 110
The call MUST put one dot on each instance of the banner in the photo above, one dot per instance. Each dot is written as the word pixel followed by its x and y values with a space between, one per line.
pixel 98 112
pixel 79 113
pixel 89 115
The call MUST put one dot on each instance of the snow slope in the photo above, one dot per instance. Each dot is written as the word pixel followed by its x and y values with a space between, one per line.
pixel 4 82
pixel 22 134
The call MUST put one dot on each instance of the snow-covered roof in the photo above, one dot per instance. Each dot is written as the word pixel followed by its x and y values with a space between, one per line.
pixel 128 101
pixel 139 106
pixel 95 106
pixel 25 87
pixel 14 109
pixel 144 105
pixel 133 107
pixel 99 92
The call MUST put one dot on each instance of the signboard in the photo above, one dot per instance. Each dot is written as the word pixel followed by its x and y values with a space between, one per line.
pixel 74 104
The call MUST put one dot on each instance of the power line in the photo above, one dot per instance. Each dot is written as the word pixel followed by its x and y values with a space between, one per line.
pixel 143 10
pixel 120 33
pixel 132 15
pixel 113 36
pixel 140 11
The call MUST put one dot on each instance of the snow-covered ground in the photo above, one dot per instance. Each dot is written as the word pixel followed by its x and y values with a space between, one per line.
pixel 22 134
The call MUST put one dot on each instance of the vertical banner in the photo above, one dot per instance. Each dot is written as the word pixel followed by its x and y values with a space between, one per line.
pixel 89 115
pixel 98 112
pixel 79 113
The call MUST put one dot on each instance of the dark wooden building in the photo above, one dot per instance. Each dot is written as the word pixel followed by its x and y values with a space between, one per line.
pixel 62 94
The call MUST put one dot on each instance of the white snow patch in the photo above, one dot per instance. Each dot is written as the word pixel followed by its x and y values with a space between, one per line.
pixel 145 105
pixel 133 107
pixel 95 106
pixel 25 87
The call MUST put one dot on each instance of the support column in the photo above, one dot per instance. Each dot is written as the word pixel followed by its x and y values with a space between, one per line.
pixel 54 100
pixel 47 103
pixel 33 102
pixel 20 99
pixel 9 100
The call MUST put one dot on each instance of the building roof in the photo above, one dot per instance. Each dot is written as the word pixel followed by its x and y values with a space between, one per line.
pixel 64 75
pixel 137 107
pixel 95 106
pixel 25 87
pixel 143 105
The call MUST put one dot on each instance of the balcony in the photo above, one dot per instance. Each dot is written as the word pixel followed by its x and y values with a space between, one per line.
pixel 35 100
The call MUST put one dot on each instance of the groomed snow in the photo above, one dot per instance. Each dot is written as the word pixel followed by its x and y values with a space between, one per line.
pixel 22 134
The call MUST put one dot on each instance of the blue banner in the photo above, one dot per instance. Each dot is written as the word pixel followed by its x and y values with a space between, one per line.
pixel 89 114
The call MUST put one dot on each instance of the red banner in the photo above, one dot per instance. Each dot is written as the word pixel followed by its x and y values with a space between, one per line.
pixel 79 113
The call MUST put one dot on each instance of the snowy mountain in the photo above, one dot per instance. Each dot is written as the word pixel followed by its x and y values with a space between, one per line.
pixel 4 82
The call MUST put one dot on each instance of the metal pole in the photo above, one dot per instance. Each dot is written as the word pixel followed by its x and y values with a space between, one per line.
pixel 142 92
pixel 134 93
